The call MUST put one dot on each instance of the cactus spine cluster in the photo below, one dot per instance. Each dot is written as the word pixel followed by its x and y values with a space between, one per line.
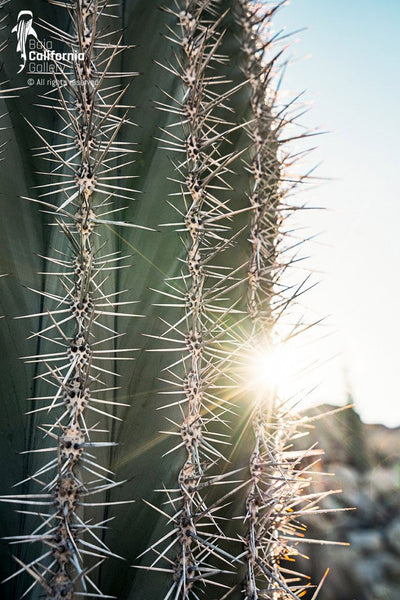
pixel 279 475
pixel 83 177
pixel 198 336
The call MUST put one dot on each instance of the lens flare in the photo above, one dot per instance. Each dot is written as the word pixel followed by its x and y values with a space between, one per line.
pixel 274 369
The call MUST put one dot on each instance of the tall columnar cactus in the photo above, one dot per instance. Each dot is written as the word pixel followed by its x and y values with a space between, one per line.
pixel 230 519
pixel 84 169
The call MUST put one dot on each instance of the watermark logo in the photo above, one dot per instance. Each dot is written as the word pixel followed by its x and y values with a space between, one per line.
pixel 38 56
pixel 24 29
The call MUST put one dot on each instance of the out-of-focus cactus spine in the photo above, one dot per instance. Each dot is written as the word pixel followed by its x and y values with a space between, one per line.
pixel 278 477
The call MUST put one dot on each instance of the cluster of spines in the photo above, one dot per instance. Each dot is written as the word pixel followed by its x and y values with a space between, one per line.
pixel 195 551
pixel 266 464
pixel 83 174
pixel 265 176
pixel 278 475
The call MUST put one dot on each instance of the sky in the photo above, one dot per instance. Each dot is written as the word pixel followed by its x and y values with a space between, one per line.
pixel 348 61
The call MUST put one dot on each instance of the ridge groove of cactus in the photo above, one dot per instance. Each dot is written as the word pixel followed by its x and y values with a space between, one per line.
pixel 213 507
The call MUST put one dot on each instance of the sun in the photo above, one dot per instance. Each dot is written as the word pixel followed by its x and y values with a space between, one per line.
pixel 274 370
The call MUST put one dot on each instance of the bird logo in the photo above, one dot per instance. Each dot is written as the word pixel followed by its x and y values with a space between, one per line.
pixel 23 29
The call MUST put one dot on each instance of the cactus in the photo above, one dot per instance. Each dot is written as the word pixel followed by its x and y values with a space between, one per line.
pixel 201 166
pixel 83 182
pixel 275 481
pixel 223 516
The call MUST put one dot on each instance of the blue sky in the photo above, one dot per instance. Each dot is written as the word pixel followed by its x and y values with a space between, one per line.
pixel 348 61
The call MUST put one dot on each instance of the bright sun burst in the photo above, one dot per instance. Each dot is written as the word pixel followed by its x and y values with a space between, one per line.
pixel 275 370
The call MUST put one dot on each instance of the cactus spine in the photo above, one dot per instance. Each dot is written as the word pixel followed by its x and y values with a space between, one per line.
pixel 279 474
pixel 203 292
pixel 82 184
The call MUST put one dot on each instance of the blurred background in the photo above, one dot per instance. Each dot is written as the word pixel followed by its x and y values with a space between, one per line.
pixel 347 60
